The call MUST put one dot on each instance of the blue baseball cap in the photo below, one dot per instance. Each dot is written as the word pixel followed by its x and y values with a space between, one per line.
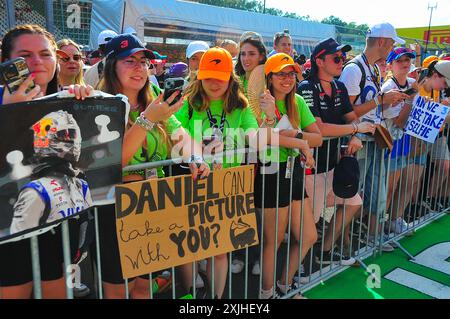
pixel 124 45
pixel 397 53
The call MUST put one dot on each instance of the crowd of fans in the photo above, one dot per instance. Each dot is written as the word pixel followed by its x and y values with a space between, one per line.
pixel 327 96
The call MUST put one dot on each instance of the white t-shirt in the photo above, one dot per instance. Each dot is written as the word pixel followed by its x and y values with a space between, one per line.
pixel 394 110
pixel 351 77
pixel 91 76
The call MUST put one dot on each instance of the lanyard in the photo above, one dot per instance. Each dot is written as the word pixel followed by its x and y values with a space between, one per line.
pixel 213 121
pixel 277 113
pixel 374 77
pixel 398 84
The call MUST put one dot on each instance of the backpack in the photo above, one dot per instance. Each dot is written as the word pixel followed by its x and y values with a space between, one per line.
pixel 363 75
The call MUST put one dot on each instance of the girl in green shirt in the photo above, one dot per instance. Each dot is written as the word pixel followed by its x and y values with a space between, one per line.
pixel 278 199
pixel 214 106
pixel 151 125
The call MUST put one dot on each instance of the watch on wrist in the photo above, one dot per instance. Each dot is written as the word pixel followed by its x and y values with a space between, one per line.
pixel 299 135
pixel 145 123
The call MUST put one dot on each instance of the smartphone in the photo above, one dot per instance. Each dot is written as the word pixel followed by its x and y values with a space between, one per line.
pixel 172 85
pixel 410 91
pixel 13 73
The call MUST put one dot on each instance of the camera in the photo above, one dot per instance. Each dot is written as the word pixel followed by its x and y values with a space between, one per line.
pixel 13 73
pixel 172 85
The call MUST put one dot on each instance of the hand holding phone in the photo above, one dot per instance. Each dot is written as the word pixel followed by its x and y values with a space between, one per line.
pixel 14 73
pixel 410 91
pixel 172 85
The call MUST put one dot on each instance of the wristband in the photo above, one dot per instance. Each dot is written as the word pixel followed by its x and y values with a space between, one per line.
pixel 195 159
pixel 143 122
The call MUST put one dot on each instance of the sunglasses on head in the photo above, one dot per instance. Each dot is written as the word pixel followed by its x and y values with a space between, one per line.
pixel 75 57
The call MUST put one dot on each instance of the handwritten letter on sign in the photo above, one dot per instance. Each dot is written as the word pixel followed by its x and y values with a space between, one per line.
pixel 426 119
pixel 173 221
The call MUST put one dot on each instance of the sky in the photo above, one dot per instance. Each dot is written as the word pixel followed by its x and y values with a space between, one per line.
pixel 400 13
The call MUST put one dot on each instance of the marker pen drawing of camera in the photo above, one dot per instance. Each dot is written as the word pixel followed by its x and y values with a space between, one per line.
pixel 13 73
pixel 172 85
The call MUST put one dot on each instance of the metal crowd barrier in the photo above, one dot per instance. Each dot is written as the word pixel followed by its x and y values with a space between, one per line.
pixel 417 216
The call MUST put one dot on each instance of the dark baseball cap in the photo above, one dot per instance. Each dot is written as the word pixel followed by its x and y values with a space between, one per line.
pixel 125 45
pixel 328 46
pixel 346 177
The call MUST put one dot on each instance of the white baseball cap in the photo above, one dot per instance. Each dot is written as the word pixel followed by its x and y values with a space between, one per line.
pixel 105 36
pixel 129 30
pixel 443 67
pixel 196 46
pixel 384 30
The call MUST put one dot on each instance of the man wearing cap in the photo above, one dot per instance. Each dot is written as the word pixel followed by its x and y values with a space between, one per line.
pixel 362 79
pixel 95 73
pixel 159 62
pixel 329 103
pixel 194 53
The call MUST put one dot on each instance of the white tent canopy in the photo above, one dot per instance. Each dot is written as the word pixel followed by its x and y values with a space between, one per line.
pixel 173 13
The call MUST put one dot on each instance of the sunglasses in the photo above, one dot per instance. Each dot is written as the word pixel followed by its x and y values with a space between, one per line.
pixel 75 57
pixel 338 59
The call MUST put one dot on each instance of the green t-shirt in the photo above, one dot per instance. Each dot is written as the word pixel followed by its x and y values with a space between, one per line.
pixel 199 125
pixel 244 84
pixel 156 148
pixel 306 118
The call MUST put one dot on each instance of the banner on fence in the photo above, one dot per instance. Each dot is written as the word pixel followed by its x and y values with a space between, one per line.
pixel 172 221
pixel 426 119
pixel 57 158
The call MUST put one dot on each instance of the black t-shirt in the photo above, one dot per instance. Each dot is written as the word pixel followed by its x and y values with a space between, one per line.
pixel 330 110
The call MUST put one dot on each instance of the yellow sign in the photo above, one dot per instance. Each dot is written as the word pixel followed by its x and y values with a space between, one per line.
pixel 172 221
pixel 438 34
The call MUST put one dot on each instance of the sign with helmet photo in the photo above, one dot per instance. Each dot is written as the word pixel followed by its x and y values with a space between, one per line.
pixel 58 157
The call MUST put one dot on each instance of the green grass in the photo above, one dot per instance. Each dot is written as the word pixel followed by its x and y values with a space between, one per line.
pixel 352 283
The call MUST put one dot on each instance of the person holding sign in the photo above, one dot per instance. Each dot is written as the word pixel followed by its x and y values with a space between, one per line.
pixel 433 79
pixel 214 107
pixel 282 103
pixel 38 47
pixel 151 124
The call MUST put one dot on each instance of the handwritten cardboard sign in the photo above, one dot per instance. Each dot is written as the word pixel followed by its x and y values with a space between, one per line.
pixel 168 222
pixel 426 119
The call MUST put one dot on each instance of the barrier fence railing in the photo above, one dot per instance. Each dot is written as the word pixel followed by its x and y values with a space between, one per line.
pixel 420 195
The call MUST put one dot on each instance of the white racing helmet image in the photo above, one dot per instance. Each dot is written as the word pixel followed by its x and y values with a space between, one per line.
pixel 57 134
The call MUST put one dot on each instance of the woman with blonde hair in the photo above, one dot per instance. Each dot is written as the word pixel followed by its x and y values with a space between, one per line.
pixel 70 59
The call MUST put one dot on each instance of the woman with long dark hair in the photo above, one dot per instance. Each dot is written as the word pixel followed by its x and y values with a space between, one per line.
pixel 149 137
pixel 38 47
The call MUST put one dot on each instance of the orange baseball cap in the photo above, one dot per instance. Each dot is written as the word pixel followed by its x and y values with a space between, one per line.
pixel 428 61
pixel 278 62
pixel 216 63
